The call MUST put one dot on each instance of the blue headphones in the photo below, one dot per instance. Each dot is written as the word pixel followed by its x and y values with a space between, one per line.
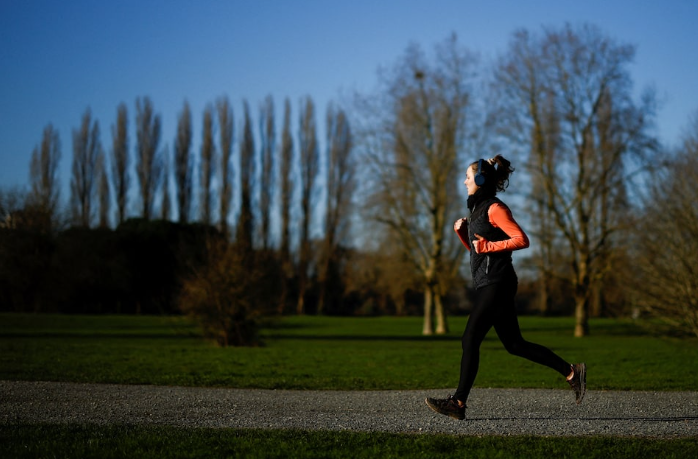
pixel 479 177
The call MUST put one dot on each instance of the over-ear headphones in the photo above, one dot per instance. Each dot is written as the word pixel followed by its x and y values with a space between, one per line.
pixel 479 177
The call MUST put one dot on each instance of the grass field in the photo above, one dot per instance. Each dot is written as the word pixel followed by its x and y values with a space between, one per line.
pixel 83 442
pixel 323 353
pixel 329 353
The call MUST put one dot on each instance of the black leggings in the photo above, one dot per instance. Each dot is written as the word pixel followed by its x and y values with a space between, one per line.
pixel 495 307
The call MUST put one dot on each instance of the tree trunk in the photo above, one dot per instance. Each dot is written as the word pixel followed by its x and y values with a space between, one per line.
pixel 596 307
pixel 581 302
pixel 323 278
pixel 581 326
pixel 300 305
pixel 428 328
pixel 441 321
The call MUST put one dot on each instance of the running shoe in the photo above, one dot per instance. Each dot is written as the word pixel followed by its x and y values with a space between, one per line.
pixel 578 382
pixel 448 406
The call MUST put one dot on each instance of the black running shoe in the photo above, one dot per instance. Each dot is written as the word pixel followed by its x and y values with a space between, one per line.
pixel 579 381
pixel 448 406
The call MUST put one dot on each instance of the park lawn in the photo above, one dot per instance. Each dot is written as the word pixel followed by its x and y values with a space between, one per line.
pixel 316 352
pixel 120 441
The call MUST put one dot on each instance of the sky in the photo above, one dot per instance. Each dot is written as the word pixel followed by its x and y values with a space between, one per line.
pixel 58 58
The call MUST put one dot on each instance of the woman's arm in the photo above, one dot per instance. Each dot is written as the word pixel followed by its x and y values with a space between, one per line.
pixel 461 229
pixel 500 217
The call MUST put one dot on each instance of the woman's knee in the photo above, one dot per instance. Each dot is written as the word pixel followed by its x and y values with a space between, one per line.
pixel 470 340
pixel 516 348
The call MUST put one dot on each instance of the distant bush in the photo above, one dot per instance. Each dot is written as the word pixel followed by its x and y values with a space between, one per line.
pixel 230 293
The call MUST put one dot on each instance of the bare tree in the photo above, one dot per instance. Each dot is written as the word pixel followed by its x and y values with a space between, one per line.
pixel 570 92
pixel 207 167
pixel 120 162
pixel 266 186
pixel 285 198
pixel 414 145
pixel 545 137
pixel 166 203
pixel 13 202
pixel 86 152
pixel 44 195
pixel 103 193
pixel 148 166
pixel 665 280
pixel 309 164
pixel 245 226
pixel 225 121
pixel 183 164
pixel 340 188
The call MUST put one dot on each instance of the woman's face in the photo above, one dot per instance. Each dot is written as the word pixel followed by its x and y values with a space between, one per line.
pixel 470 181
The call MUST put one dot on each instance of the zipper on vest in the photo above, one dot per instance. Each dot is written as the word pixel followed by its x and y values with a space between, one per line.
pixel 487 267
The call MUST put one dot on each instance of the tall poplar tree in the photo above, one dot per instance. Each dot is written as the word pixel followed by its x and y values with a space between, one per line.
pixel 207 167
pixel 285 200
pixel 268 141
pixel 104 195
pixel 87 151
pixel 245 227
pixel 120 162
pixel 43 174
pixel 183 164
pixel 149 163
pixel 340 188
pixel 225 123
pixel 166 203
pixel 309 167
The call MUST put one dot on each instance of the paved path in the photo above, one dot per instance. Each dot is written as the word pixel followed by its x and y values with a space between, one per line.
pixel 490 411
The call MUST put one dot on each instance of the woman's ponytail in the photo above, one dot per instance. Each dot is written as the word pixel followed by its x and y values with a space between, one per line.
pixel 501 172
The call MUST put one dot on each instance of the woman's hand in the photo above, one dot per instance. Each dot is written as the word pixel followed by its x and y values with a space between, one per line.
pixel 459 223
pixel 478 241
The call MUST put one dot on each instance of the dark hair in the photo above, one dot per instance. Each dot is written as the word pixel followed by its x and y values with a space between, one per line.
pixel 496 178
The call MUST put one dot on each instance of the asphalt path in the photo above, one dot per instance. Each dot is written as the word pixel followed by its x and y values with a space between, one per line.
pixel 490 411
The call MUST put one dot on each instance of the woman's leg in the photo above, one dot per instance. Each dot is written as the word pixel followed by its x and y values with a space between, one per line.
pixel 480 321
pixel 506 325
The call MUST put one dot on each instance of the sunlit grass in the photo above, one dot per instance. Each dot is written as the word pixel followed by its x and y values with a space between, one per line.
pixel 329 353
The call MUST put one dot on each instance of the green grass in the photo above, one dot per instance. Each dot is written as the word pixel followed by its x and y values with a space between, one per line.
pixel 329 353
pixel 79 441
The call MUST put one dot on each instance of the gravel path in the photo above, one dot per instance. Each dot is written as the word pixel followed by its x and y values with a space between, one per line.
pixel 490 411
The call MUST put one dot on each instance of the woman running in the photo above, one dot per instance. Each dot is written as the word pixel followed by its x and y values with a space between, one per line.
pixel 491 234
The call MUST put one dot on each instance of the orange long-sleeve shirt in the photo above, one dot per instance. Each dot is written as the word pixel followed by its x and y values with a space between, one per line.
pixel 500 217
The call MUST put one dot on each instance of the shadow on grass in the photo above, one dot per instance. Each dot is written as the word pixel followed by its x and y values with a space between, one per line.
pixel 600 328
pixel 307 337
pixel 136 336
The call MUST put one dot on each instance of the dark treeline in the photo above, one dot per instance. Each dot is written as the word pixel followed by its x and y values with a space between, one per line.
pixel 134 269
pixel 272 217
pixel 142 267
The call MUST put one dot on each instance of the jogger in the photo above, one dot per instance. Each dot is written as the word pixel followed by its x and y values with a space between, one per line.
pixel 491 234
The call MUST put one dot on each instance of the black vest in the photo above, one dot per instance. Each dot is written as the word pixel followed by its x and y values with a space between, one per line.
pixel 488 268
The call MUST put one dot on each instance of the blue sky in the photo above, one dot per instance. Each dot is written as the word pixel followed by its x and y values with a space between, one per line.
pixel 59 57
